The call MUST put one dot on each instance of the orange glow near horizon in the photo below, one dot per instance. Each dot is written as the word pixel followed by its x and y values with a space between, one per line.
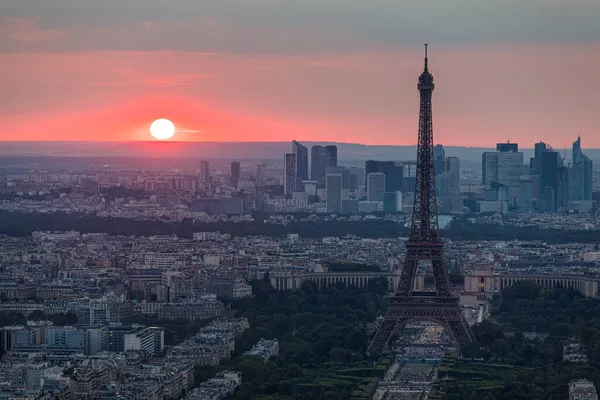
pixel 482 96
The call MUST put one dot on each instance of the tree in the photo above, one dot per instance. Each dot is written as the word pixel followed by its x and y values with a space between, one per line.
pixel 561 331
pixel 37 315
pixel 62 319
pixel 536 368
pixel 12 318
pixel 500 348
pixel 378 285
pixel 339 354
pixel 487 332
pixel 456 278
pixel 320 331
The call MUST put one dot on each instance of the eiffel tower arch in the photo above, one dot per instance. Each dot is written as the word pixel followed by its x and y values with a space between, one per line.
pixel 424 245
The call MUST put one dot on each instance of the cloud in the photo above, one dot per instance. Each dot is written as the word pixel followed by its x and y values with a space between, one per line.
pixel 25 31
pixel 146 80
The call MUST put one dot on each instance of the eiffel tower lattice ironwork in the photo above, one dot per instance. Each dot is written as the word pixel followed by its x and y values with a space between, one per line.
pixel 406 304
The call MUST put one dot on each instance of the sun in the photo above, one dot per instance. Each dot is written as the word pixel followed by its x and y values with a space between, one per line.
pixel 162 129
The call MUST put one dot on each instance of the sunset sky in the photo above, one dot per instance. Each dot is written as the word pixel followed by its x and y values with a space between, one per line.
pixel 318 70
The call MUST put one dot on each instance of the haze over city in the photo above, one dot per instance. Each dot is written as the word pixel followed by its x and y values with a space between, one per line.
pixel 269 70
pixel 310 200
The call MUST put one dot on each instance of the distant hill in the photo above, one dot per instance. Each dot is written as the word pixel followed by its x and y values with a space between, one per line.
pixel 347 152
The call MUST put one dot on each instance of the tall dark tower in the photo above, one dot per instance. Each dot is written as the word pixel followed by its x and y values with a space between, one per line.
pixel 424 248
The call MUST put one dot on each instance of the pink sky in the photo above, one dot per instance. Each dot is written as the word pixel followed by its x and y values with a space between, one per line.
pixel 485 92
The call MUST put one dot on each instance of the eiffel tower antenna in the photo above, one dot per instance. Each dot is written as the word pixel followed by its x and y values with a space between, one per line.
pixel 424 244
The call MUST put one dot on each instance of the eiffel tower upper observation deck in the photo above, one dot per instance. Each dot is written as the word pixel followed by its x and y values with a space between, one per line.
pixel 424 245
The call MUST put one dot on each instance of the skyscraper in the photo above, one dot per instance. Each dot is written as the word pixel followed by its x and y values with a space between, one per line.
pixel 321 157
pixel 452 169
pixel 507 147
pixel 235 173
pixel 505 167
pixel 439 166
pixel 439 155
pixel 357 178
pixel 345 172
pixel 332 156
pixel 581 174
pixel 301 153
pixel 375 186
pixel 333 189
pixel 536 161
pixel 318 155
pixel 548 180
pixel 289 174
pixel 562 186
pixel 549 166
pixel 259 183
pixel 577 153
pixel 261 174
pixel 372 166
pixel 449 199
pixel 390 202
pixel 394 173
pixel 204 176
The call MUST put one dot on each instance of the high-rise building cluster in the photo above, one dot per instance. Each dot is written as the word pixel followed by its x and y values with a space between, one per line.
pixel 379 186
pixel 548 184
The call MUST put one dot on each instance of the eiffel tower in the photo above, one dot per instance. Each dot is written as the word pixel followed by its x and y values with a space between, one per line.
pixel 424 245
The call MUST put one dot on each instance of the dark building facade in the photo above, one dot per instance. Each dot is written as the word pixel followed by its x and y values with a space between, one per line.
pixel 507 147
pixel 439 158
pixel 394 174
pixel 221 286
pixel 535 165
pixel 235 173
pixel 289 174
pixel 317 163
pixel 562 187
pixel 581 175
pixel 346 176
pixel 390 202
pixel 332 155
pixel 301 153
pixel 333 188
pixel 204 176
pixel 548 172
pixel 322 157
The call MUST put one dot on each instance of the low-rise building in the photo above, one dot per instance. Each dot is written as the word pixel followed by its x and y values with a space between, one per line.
pixel 265 349
pixel 149 340
pixel 582 389
pixel 217 388
pixel 574 352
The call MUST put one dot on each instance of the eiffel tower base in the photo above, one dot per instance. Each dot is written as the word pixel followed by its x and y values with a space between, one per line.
pixel 444 311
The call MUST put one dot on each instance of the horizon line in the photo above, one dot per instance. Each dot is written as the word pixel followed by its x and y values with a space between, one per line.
pixel 248 142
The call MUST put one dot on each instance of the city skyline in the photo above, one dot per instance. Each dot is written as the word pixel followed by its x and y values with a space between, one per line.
pixel 108 71
pixel 233 199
